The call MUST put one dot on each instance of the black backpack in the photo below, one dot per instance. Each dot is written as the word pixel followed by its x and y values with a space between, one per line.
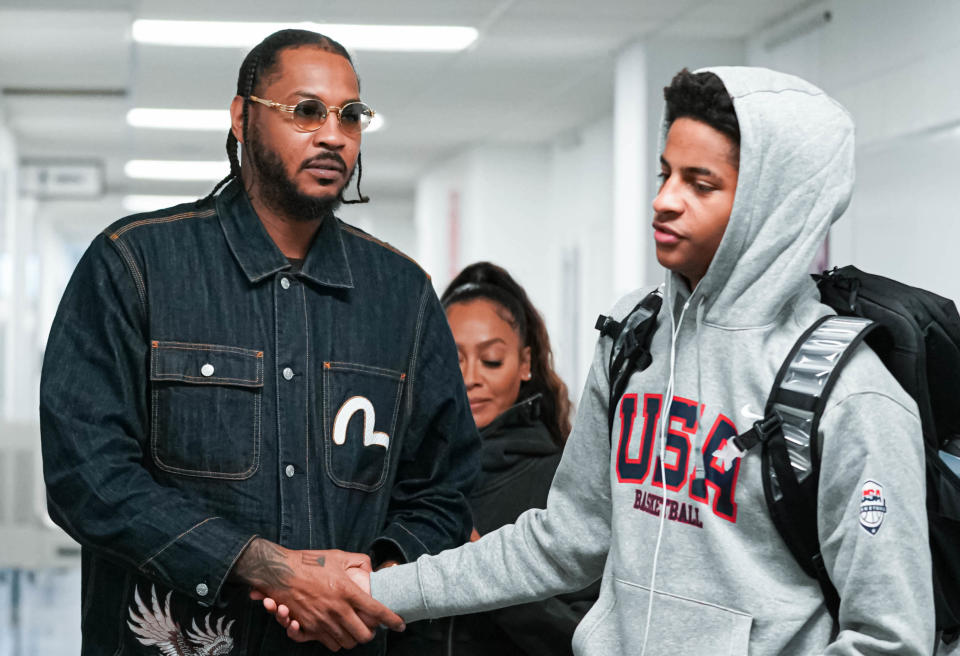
pixel 917 336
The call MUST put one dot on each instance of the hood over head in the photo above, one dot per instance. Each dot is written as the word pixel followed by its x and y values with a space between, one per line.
pixel 796 177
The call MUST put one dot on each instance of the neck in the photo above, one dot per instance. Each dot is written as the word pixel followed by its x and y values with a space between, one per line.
pixel 293 236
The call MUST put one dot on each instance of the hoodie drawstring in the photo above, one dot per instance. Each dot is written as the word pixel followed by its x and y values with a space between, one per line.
pixel 662 438
pixel 697 441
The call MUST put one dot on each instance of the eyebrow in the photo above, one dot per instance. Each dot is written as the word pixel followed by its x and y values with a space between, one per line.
pixel 313 96
pixel 696 170
pixel 490 342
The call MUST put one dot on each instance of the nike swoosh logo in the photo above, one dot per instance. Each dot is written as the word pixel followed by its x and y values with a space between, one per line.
pixel 747 412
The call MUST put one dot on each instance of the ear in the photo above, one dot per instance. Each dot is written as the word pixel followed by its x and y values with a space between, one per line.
pixel 236 118
pixel 525 363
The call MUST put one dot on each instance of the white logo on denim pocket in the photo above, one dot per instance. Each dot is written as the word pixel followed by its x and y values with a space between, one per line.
pixel 346 411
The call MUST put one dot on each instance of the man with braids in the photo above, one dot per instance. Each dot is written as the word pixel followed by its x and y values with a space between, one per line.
pixel 755 165
pixel 244 396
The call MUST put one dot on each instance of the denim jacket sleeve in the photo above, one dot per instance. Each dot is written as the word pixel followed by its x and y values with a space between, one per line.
pixel 95 438
pixel 440 457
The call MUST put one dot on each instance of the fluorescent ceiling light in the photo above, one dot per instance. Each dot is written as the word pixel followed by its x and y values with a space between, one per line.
pixel 179 119
pixel 217 120
pixel 145 203
pixel 216 34
pixel 156 169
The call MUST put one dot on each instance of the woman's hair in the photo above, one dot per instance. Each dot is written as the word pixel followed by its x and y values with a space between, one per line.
pixel 483 280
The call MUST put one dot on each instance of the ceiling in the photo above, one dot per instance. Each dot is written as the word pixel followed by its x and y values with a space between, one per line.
pixel 70 71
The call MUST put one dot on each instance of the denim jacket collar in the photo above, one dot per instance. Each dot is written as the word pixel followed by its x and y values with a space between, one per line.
pixel 326 262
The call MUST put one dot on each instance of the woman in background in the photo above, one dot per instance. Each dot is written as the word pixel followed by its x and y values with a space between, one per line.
pixel 522 410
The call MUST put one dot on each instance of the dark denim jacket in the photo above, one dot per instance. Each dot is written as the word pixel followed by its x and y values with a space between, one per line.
pixel 197 392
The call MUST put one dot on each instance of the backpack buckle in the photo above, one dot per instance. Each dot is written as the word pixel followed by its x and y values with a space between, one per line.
pixel 759 433
pixel 767 426
pixel 608 326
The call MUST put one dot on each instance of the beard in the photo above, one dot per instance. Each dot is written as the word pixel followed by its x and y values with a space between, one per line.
pixel 279 192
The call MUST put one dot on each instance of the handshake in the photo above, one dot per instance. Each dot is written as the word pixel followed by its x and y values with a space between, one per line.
pixel 315 595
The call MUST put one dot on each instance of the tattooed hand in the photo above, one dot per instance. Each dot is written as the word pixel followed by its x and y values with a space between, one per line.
pixel 315 587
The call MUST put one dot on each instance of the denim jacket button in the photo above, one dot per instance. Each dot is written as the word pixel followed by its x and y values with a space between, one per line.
pixel 290 471
pixel 207 369
pixel 285 283
pixel 287 373
pixel 202 590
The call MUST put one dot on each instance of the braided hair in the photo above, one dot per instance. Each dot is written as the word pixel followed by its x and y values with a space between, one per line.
pixel 488 281
pixel 259 64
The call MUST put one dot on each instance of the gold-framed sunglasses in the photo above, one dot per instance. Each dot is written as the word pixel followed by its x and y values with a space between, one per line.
pixel 310 114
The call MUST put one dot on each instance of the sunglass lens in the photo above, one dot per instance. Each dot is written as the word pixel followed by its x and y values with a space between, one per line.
pixel 355 116
pixel 309 114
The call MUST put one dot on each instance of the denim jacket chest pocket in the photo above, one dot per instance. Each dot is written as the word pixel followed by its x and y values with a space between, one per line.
pixel 361 405
pixel 205 409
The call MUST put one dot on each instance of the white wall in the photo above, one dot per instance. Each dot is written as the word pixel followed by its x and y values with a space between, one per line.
pixel 633 253
pixel 580 204
pixel 506 219
pixel 490 203
pixel 541 211
pixel 893 65
pixel 17 316
pixel 8 159
pixel 388 217
pixel 438 208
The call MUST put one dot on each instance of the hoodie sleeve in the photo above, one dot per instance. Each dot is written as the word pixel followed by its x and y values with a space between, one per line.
pixel 872 525
pixel 546 552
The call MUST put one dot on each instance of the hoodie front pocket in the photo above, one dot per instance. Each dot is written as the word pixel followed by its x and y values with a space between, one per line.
pixel 597 631
pixel 360 407
pixel 679 625
pixel 205 414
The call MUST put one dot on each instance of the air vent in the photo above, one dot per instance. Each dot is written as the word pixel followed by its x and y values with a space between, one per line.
pixel 61 179
pixel 64 92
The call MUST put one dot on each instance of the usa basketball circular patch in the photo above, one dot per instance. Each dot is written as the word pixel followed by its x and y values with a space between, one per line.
pixel 873 507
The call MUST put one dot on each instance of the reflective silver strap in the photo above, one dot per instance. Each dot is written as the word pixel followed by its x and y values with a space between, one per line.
pixel 808 374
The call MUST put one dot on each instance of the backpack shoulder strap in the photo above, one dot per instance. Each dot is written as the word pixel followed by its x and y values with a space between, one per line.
pixel 791 453
pixel 631 345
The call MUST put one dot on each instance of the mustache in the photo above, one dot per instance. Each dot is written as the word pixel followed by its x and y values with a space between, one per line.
pixel 324 158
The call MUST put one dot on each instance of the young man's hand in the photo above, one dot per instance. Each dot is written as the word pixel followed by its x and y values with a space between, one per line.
pixel 360 577
pixel 318 588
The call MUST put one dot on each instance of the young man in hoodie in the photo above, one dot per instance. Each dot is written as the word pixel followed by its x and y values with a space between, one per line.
pixel 755 167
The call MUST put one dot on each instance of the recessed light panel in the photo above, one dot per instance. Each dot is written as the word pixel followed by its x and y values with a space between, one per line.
pixel 216 34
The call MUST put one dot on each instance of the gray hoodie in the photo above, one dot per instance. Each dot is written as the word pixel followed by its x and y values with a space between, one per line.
pixel 723 580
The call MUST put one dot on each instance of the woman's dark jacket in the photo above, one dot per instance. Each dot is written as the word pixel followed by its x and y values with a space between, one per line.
pixel 519 459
